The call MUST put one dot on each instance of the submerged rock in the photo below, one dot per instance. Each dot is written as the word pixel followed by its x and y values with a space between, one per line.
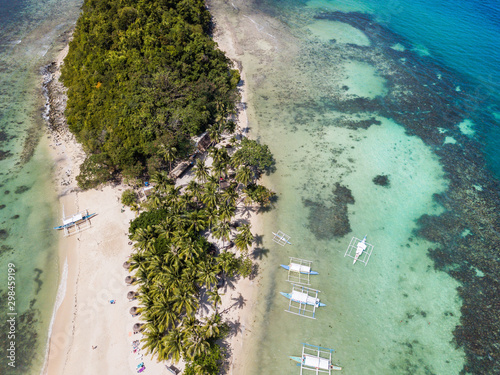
pixel 381 180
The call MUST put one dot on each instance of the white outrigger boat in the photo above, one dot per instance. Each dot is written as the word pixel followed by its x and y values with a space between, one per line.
pixel 303 301
pixel 304 298
pixel 315 358
pixel 81 221
pixel 359 249
pixel 299 270
pixel 281 238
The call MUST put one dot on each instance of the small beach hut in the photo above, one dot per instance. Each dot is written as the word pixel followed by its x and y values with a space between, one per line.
pixel 137 327
pixel 129 280
pixel 126 265
pixel 131 295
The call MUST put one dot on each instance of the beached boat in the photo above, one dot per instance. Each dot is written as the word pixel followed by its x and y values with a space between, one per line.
pixel 359 249
pixel 306 270
pixel 75 220
pixel 303 298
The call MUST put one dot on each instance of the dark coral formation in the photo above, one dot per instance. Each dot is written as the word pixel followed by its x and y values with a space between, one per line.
pixel 26 337
pixel 422 96
pixel 4 154
pixel 329 222
pixel 381 180
pixel 4 233
pixel 21 189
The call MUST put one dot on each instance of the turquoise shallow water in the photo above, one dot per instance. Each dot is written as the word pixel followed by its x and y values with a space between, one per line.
pixel 30 35
pixel 343 92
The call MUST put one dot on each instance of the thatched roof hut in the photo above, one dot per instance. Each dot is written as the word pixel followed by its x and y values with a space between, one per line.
pixel 129 280
pixel 137 327
pixel 126 265
pixel 131 295
pixel 134 311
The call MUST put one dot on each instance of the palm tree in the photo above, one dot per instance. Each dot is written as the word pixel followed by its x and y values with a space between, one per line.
pixel 244 175
pixel 185 300
pixel 244 238
pixel 207 273
pixel 214 297
pixel 219 155
pixel 166 228
pixel 195 343
pixel 219 169
pixel 173 344
pixel 163 312
pixel 226 211
pixel 228 262
pixel 230 195
pixel 215 132
pixel 210 196
pixel 195 189
pixel 168 153
pixel 197 221
pixel 201 170
pixel 152 340
pixel 222 231
pixel 144 238
pixel 161 181
pixel 211 326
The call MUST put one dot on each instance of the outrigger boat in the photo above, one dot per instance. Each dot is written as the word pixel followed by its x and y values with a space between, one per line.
pixel 303 298
pixel 306 270
pixel 75 219
pixel 359 249
pixel 80 221
pixel 317 363
pixel 281 238
pixel 316 359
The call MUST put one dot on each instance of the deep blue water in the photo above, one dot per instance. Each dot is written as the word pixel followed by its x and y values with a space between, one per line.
pixel 462 35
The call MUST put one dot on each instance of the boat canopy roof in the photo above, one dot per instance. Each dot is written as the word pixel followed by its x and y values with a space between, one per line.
pixel 361 246
pixel 73 218
pixel 316 362
pixel 299 268
pixel 303 297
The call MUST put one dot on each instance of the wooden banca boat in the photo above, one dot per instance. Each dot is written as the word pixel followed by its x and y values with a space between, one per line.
pixel 295 267
pixel 303 298
pixel 315 359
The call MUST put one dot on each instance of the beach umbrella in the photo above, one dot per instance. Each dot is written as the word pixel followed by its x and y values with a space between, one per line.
pixel 126 265
pixel 133 311
pixel 138 327
pixel 131 295
pixel 129 280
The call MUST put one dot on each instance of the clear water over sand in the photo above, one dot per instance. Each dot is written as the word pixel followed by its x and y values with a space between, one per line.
pixel 30 33
pixel 307 102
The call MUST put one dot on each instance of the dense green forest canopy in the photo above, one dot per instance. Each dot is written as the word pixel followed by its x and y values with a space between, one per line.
pixel 143 77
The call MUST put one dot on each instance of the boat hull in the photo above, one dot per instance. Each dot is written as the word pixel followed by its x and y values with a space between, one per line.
pixel 69 225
